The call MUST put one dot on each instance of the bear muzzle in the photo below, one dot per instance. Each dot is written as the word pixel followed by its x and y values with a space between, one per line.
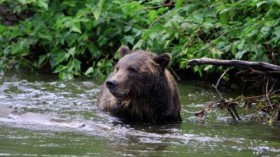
pixel 115 89
pixel 111 84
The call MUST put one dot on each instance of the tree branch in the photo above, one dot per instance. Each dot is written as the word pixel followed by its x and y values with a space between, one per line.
pixel 218 83
pixel 275 69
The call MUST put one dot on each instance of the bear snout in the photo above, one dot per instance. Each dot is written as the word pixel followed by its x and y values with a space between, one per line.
pixel 111 84
pixel 116 88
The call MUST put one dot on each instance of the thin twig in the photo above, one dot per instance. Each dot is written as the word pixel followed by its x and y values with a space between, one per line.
pixel 272 86
pixel 275 91
pixel 232 115
pixel 218 83
pixel 235 112
pixel 267 94
pixel 220 95
pixel 175 74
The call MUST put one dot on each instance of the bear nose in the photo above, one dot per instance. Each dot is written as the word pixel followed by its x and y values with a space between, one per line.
pixel 111 84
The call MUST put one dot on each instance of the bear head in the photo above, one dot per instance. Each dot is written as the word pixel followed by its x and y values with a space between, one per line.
pixel 136 73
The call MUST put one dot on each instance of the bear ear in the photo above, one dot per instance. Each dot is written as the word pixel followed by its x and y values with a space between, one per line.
pixel 124 50
pixel 163 60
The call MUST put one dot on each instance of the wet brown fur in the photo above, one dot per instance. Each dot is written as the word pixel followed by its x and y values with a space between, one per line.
pixel 145 91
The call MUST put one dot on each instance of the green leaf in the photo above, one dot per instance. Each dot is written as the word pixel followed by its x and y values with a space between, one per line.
pixel 132 8
pixel 276 1
pixel 153 35
pixel 130 39
pixel 240 54
pixel 42 58
pixel 59 69
pixel 241 45
pixel 138 45
pixel 208 67
pixel 198 16
pixel 260 3
pixel 277 32
pixel 43 4
pixel 60 57
pixel 65 75
pixel 89 71
pixel 226 10
pixel 72 51
pixel 2 28
pixel 216 51
pixel 178 3
pixel 98 10
pixel 77 64
pixel 44 35
pixel 152 15
pixel 76 28
pixel 127 28
pixel 95 52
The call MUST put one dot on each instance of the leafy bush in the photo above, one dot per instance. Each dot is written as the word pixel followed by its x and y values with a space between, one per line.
pixel 75 38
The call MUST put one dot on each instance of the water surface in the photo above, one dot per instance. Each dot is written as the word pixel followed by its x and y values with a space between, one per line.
pixel 60 118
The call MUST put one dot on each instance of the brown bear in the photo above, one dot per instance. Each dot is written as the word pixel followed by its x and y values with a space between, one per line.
pixel 141 89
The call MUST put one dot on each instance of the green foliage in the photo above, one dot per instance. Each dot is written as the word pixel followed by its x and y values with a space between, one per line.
pixel 80 37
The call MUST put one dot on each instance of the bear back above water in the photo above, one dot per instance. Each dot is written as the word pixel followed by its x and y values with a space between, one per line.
pixel 141 89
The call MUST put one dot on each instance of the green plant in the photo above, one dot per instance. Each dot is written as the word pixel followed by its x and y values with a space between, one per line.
pixel 74 38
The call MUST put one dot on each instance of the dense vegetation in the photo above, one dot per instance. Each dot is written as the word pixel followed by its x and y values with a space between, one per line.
pixel 75 38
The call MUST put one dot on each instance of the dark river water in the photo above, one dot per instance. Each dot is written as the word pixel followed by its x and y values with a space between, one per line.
pixel 42 116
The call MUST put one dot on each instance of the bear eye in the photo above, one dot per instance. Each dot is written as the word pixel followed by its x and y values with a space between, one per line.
pixel 132 70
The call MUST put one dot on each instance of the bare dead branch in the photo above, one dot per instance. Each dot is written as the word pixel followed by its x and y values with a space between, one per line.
pixel 272 87
pixel 263 66
pixel 267 93
pixel 231 113
pixel 175 74
pixel 233 108
pixel 224 103
pixel 218 83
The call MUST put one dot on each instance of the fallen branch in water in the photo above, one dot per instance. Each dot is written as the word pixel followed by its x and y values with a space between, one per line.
pixel 267 104
pixel 267 68
pixel 223 103
pixel 255 106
